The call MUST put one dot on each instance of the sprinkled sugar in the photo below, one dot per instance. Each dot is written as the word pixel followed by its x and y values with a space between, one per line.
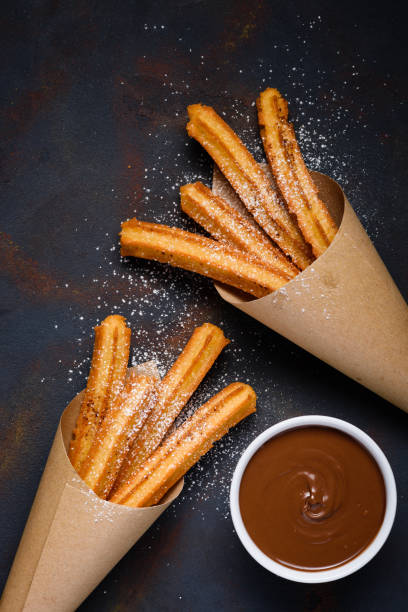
pixel 157 300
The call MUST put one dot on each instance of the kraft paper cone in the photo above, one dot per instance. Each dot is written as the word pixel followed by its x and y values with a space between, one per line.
pixel 344 308
pixel 72 538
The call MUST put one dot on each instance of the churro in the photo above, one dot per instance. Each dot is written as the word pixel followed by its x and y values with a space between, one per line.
pixel 290 172
pixel 318 208
pixel 106 377
pixel 183 448
pixel 174 391
pixel 310 190
pixel 269 122
pixel 198 254
pixel 120 426
pixel 249 181
pixel 230 227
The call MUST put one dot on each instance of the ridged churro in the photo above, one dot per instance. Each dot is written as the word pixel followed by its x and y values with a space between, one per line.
pixel 183 448
pixel 249 181
pixel 269 122
pixel 108 370
pixel 174 391
pixel 230 227
pixel 120 426
pixel 310 190
pixel 290 172
pixel 318 208
pixel 198 254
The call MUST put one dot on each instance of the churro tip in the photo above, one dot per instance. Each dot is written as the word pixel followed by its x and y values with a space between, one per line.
pixel 188 186
pixel 115 323
pixel 274 94
pixel 184 189
pixel 193 108
pixel 216 330
pixel 251 393
pixel 114 320
pixel 272 91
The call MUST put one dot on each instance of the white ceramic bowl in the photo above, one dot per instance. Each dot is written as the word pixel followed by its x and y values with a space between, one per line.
pixel 363 557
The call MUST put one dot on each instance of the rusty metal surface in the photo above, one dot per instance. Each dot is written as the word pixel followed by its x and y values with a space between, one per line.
pixel 93 115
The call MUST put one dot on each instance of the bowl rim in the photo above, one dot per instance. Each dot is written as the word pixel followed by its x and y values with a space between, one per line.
pixel 318 576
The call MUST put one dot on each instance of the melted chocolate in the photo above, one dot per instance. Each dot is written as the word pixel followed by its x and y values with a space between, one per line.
pixel 312 498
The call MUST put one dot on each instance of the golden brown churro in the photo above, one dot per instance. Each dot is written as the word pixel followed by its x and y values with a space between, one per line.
pixel 310 190
pixel 269 122
pixel 249 181
pixel 290 172
pixel 106 377
pixel 120 426
pixel 318 208
pixel 183 448
pixel 230 227
pixel 174 391
pixel 198 254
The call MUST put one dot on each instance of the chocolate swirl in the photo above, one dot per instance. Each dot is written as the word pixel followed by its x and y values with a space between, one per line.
pixel 312 498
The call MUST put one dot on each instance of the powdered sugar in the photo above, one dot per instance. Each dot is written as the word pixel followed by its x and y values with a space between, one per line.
pixel 163 304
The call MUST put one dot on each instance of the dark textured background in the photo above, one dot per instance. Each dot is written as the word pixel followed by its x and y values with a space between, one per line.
pixel 93 113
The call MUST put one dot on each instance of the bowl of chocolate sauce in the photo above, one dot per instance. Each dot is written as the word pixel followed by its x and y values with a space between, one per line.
pixel 313 499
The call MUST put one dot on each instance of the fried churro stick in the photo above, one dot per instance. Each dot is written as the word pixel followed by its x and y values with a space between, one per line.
pixel 310 190
pixel 318 208
pixel 198 254
pixel 230 227
pixel 174 391
pixel 120 426
pixel 108 370
pixel 270 120
pixel 249 181
pixel 184 447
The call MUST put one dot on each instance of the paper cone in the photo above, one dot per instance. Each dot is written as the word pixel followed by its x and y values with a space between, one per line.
pixel 345 308
pixel 72 538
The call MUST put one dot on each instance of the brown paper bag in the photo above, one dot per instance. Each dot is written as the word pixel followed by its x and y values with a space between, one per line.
pixel 72 538
pixel 344 308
